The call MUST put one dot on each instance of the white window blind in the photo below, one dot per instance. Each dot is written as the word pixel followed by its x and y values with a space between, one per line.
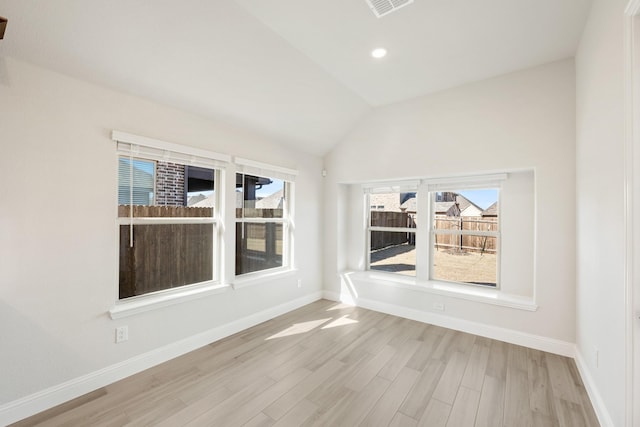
pixel 466 182
pixel 391 187
pixel 250 167
pixel 149 148
pixel 136 180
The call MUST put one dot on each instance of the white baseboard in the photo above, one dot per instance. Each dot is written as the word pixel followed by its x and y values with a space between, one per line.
pixel 596 399
pixel 50 397
pixel 537 342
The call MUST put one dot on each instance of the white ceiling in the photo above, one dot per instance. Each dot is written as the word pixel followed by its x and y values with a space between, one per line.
pixel 296 70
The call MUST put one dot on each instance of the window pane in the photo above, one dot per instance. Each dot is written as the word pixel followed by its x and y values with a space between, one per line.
pixel 466 259
pixel 393 210
pixel 475 210
pixel 200 187
pixel 143 174
pixel 164 256
pixel 260 197
pixel 393 252
pixel 164 189
pixel 258 246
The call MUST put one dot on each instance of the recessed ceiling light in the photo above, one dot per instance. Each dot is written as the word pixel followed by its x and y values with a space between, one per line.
pixel 379 52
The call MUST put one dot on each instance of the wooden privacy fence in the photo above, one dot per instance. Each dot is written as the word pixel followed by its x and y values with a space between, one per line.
pixel 164 256
pixel 165 211
pixel 383 239
pixel 472 243
pixel 260 246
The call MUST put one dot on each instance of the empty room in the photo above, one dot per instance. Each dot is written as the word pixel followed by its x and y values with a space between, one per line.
pixel 337 213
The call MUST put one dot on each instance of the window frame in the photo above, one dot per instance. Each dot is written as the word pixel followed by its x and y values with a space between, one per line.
pixel 214 219
pixel 287 176
pixel 387 188
pixel 433 232
pixel 147 149
pixel 426 190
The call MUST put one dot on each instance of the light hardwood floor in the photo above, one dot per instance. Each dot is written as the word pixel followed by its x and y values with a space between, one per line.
pixel 328 364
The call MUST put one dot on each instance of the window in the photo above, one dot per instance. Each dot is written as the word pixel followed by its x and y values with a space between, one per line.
pixel 460 241
pixel 262 223
pixel 168 213
pixel 464 236
pixel 392 223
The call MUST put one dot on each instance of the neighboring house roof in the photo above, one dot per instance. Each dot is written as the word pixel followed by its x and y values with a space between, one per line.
pixel 207 202
pixel 443 207
pixel 464 207
pixel 390 202
pixel 491 210
pixel 410 205
pixel 195 199
pixel 394 202
pixel 274 201
pixel 465 203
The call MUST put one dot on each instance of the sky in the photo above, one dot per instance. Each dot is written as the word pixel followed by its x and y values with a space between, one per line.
pixel 482 198
pixel 269 189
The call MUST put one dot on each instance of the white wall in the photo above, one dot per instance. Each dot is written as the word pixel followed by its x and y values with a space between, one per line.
pixel 520 121
pixel 58 249
pixel 600 203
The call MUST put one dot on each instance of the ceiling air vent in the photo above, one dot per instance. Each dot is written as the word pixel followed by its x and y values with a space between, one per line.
pixel 383 7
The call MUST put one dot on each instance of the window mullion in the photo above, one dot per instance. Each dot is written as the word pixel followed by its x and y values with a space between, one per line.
pixel 466 233
pixel 393 229
pixel 423 254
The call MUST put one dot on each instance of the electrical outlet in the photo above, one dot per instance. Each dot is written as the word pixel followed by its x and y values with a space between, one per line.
pixel 299 283
pixel 122 334
pixel 438 306
pixel 596 356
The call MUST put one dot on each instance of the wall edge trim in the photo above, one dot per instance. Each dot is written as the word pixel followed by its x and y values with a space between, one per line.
pixel 48 398
pixel 550 345
pixel 594 395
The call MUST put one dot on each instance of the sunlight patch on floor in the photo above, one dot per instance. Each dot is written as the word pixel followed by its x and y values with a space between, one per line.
pixel 341 321
pixel 300 328
pixel 339 306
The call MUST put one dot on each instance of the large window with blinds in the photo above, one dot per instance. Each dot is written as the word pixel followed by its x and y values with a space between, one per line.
pixel 168 213
pixel 264 220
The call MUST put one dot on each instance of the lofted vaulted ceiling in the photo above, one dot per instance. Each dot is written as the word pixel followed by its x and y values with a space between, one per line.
pixel 296 70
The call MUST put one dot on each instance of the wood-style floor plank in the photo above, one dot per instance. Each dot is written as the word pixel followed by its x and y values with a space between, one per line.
pixel 298 415
pixel 389 403
pixel 435 415
pixel 330 364
pixel 491 405
pixel 449 382
pixel 464 410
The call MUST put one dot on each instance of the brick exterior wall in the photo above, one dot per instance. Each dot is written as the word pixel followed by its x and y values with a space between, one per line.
pixel 169 184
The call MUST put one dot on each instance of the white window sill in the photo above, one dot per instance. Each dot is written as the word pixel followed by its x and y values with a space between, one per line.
pixel 144 303
pixel 252 279
pixel 454 290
